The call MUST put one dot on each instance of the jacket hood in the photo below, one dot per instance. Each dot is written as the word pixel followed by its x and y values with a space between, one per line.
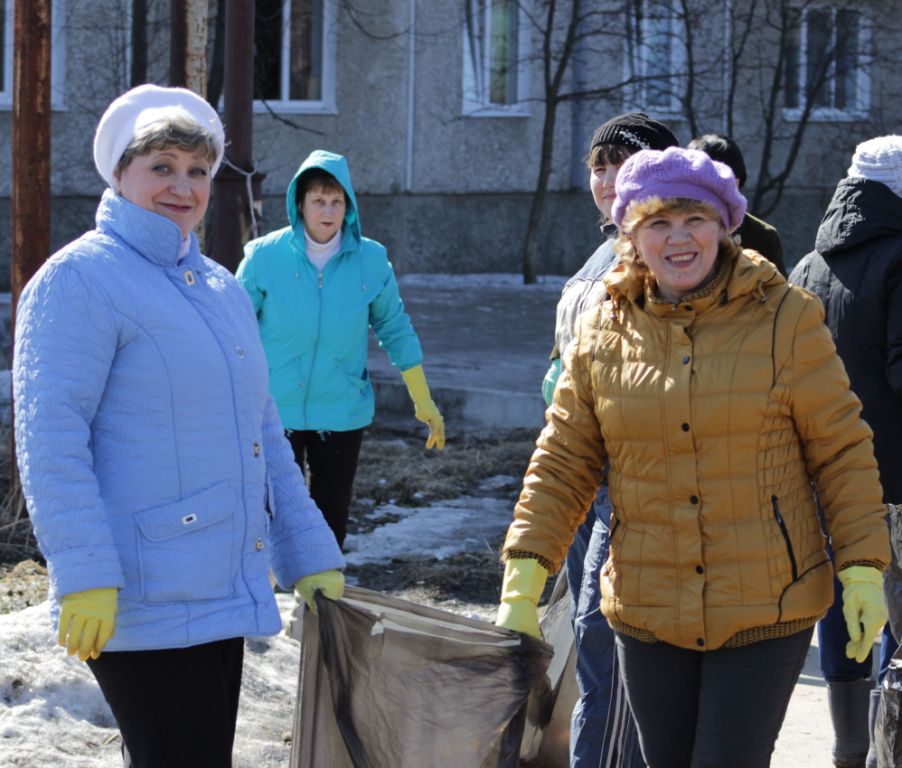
pixel 336 165
pixel 861 210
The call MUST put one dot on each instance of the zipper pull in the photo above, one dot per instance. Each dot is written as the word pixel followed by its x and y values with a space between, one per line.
pixel 320 279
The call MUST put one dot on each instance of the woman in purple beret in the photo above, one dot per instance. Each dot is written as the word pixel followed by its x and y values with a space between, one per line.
pixel 714 390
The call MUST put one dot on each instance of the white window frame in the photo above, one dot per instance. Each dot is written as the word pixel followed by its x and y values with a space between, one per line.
pixel 325 105
pixel 57 57
pixel 863 80
pixel 640 54
pixel 477 104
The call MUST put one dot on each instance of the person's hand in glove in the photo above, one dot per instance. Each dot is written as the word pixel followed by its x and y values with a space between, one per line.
pixel 87 621
pixel 425 409
pixel 863 608
pixel 524 580
pixel 332 584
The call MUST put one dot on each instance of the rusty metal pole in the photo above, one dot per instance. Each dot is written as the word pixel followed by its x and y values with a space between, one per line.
pixel 30 151
pixel 232 222
pixel 188 58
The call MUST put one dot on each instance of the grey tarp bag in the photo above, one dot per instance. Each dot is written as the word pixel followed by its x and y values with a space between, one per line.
pixel 892 576
pixel 385 683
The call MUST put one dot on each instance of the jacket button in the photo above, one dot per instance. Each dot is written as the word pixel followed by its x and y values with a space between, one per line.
pixel 239 351
pixel 699 569
pixel 256 449
pixel 685 359
pixel 699 642
pixel 259 544
pixel 684 426
pixel 189 277
pixel 693 499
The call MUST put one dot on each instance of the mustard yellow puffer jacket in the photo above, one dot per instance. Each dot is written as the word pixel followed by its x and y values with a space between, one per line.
pixel 717 415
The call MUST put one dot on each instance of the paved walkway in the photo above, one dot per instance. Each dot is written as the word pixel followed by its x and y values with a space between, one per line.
pixel 486 342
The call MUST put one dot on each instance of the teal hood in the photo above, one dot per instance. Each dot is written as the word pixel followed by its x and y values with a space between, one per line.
pixel 338 167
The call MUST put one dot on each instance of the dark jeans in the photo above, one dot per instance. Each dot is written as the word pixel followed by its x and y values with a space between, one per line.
pixel 329 462
pixel 602 731
pixel 176 708
pixel 709 709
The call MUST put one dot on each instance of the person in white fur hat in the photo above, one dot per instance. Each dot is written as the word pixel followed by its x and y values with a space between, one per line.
pixel 856 270
pixel 160 485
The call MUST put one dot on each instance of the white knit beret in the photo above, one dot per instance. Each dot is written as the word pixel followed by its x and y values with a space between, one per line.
pixel 143 106
pixel 880 160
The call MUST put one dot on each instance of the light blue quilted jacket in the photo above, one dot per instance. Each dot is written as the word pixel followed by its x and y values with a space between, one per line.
pixel 151 454
pixel 315 324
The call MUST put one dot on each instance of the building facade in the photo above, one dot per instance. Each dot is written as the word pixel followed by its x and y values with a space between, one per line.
pixel 442 106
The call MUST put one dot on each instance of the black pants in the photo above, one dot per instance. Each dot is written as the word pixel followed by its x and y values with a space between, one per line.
pixel 329 461
pixel 176 708
pixel 710 709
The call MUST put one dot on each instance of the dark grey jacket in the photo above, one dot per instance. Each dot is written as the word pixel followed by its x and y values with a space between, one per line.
pixel 856 270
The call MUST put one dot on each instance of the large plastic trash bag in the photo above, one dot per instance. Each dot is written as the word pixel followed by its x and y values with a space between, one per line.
pixel 385 683
pixel 892 576
pixel 888 727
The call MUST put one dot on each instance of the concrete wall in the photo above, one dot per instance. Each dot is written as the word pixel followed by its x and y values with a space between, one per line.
pixel 460 201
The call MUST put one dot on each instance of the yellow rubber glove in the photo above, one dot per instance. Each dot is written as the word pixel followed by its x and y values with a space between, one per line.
pixel 424 409
pixel 87 621
pixel 332 584
pixel 863 608
pixel 524 580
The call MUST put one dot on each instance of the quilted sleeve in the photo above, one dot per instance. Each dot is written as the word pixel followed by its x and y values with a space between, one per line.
pixel 567 466
pixel 391 323
pixel 837 443
pixel 247 276
pixel 65 346
pixel 301 541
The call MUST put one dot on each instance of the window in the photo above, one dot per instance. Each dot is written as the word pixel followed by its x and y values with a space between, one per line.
pixel 496 43
pixel 57 54
pixel 656 55
pixel 294 55
pixel 827 64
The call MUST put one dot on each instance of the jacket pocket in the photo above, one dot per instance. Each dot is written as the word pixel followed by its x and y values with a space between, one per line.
pixel 778 516
pixel 185 548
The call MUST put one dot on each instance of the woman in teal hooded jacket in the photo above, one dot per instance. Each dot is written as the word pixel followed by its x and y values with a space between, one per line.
pixel 317 286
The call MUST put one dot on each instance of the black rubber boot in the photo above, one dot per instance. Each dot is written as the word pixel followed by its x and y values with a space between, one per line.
pixel 849 711
pixel 873 710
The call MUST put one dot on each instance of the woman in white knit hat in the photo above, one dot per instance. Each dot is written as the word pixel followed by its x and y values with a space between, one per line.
pixel 856 270
pixel 155 470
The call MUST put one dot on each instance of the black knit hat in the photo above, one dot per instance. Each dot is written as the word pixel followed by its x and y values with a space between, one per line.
pixel 634 130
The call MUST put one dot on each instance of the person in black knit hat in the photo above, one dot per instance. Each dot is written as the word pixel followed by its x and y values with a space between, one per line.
pixel 602 731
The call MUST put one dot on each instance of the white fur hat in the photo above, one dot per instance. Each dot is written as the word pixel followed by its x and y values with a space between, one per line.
pixel 140 107
pixel 880 160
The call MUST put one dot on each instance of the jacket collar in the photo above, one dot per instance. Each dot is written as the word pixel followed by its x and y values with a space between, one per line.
pixel 749 275
pixel 154 237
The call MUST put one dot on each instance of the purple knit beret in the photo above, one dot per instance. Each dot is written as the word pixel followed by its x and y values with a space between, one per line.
pixel 676 172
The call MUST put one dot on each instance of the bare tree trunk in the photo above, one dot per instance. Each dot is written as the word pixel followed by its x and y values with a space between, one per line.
pixel 553 70
pixel 540 195
pixel 31 153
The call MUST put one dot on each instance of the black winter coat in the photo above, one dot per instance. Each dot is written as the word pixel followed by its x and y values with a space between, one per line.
pixel 856 270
